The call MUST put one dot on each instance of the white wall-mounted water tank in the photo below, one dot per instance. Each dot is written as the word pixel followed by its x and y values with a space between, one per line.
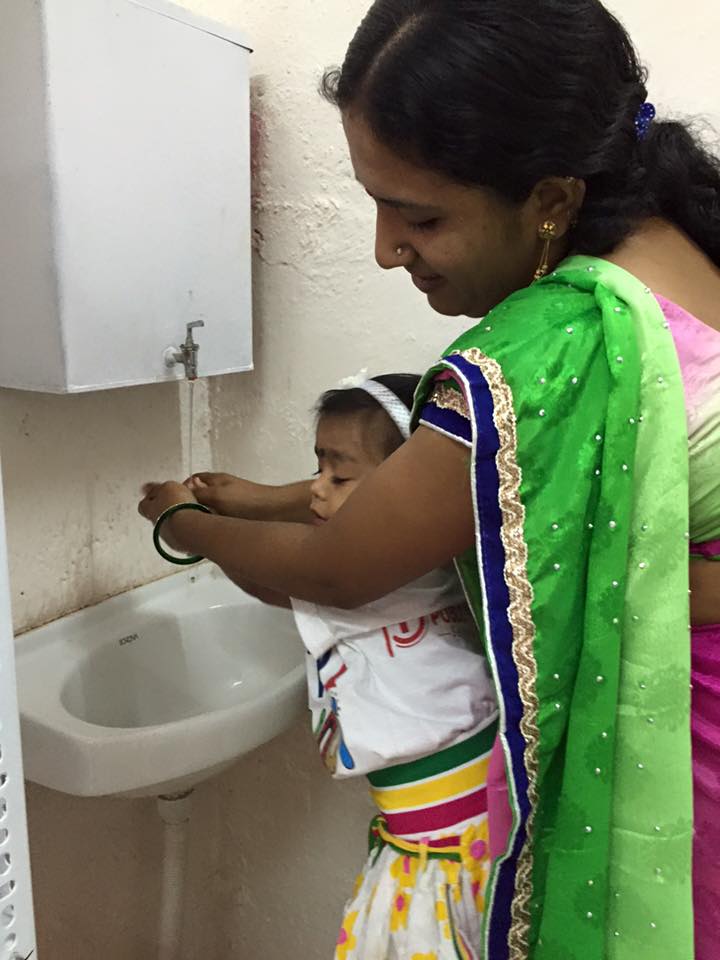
pixel 124 193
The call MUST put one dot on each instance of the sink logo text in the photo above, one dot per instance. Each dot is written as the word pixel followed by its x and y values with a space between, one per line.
pixel 130 638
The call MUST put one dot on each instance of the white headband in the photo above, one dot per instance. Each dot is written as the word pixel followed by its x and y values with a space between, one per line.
pixel 391 404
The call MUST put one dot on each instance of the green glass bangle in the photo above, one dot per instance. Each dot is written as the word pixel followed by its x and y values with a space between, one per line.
pixel 180 561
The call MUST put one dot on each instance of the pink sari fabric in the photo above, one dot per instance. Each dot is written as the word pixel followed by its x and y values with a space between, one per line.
pixel 499 811
pixel 706 768
pixel 709 550
pixel 698 348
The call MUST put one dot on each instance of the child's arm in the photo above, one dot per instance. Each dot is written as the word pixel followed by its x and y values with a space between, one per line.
pixel 232 496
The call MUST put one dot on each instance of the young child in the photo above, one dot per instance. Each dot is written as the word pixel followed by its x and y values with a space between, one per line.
pixel 400 692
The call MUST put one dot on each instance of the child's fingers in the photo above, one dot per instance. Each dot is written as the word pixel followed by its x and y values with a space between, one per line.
pixel 201 479
pixel 195 482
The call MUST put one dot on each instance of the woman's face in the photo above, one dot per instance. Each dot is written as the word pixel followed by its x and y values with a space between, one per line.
pixel 464 247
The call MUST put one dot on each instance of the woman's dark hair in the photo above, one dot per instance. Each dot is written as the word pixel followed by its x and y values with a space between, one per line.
pixel 349 401
pixel 501 93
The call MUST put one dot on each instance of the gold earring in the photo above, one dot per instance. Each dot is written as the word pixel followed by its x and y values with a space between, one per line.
pixel 547 233
pixel 399 251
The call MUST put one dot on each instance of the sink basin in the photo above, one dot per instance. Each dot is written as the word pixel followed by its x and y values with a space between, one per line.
pixel 151 692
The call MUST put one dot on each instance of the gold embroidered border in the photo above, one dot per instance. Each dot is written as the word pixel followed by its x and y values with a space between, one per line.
pixel 520 616
pixel 448 398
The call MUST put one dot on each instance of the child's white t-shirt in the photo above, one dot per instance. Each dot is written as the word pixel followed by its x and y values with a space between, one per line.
pixel 396 679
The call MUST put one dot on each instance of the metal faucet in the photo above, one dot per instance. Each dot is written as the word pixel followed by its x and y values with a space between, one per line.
pixel 187 353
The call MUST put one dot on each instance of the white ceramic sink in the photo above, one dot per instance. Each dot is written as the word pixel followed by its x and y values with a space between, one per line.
pixel 155 690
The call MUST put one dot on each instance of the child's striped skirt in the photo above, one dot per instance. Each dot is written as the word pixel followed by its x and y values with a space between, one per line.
pixel 420 895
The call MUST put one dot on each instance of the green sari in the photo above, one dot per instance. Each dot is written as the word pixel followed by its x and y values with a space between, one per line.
pixel 570 397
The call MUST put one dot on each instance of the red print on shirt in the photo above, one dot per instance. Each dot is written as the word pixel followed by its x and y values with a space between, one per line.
pixel 409 635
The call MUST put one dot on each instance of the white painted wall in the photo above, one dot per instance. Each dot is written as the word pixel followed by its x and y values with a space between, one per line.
pixel 677 44
pixel 275 841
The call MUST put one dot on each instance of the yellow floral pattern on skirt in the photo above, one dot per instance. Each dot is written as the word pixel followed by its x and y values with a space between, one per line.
pixel 411 906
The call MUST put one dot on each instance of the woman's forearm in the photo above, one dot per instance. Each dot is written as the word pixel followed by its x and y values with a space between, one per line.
pixel 269 597
pixel 282 557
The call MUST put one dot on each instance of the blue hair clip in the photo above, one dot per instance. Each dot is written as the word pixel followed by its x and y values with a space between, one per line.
pixel 643 118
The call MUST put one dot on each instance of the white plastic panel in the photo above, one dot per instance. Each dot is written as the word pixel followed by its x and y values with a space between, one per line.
pixel 17 929
pixel 30 338
pixel 177 12
pixel 136 160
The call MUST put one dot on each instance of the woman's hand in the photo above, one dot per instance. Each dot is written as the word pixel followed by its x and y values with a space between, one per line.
pixel 159 496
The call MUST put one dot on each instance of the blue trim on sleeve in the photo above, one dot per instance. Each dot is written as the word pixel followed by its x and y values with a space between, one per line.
pixel 448 422
pixel 491 559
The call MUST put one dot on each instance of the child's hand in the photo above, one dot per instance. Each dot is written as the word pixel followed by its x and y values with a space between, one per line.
pixel 159 496
pixel 232 496
pixel 226 494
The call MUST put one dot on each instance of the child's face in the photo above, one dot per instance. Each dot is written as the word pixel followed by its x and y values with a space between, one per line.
pixel 345 458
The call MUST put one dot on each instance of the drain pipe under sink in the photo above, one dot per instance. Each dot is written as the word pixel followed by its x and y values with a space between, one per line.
pixel 174 810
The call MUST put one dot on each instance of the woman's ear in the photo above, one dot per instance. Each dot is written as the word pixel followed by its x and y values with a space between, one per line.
pixel 558 200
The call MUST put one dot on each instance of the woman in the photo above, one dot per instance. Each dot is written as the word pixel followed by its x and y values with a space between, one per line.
pixel 505 141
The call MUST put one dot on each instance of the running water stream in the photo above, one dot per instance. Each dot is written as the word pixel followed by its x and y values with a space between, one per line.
pixel 190 423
